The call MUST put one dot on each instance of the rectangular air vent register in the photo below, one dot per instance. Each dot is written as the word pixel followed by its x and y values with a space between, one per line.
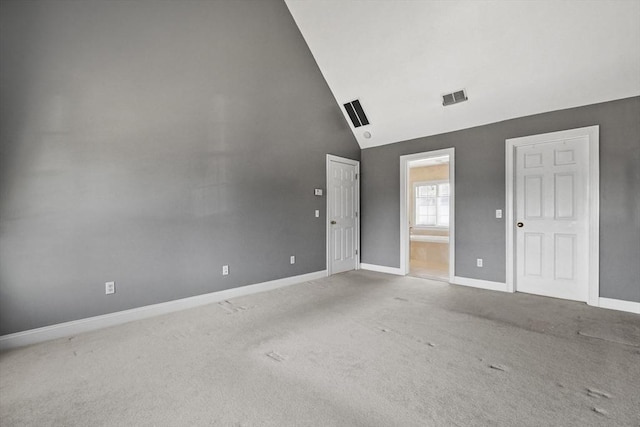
pixel 454 97
pixel 356 113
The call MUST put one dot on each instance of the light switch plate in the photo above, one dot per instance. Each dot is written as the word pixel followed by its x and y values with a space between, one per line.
pixel 498 213
pixel 110 288
pixel 318 191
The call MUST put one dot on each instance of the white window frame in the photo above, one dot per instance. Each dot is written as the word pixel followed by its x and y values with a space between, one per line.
pixel 415 204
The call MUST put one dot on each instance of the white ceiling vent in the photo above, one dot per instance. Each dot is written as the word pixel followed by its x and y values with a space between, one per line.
pixel 454 97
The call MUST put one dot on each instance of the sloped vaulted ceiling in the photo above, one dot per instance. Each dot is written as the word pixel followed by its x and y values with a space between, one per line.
pixel 514 58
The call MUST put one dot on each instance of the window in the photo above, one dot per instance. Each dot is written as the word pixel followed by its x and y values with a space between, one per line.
pixel 431 204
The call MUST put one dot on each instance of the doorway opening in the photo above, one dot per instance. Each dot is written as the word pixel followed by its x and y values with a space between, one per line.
pixel 427 215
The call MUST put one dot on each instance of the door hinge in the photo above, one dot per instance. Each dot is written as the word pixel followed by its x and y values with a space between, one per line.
pixel 356 176
pixel 356 252
pixel 356 214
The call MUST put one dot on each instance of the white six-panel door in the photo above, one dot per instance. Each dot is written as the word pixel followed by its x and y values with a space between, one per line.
pixel 343 196
pixel 552 218
pixel 552 214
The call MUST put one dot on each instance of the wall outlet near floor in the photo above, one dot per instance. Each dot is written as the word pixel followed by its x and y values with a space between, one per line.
pixel 110 288
pixel 225 270
pixel 317 213
pixel 293 259
pixel 479 262
pixel 498 213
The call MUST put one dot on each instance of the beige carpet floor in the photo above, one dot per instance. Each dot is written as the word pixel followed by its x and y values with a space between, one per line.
pixel 355 349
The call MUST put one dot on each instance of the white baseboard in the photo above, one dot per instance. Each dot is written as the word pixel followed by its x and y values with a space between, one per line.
pixel 74 327
pixel 381 269
pixel 608 303
pixel 482 284
pixel 617 304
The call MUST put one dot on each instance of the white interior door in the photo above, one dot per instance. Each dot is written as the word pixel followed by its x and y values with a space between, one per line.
pixel 552 218
pixel 343 200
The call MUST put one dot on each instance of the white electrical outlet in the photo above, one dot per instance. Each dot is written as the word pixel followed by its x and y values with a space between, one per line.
pixel 479 262
pixel 225 270
pixel 293 259
pixel 317 213
pixel 498 213
pixel 110 288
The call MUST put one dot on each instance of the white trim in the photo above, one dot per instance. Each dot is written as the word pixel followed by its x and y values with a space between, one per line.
pixel 606 303
pixel 428 238
pixel 594 214
pixel 482 284
pixel 592 132
pixel 74 327
pixel 618 304
pixel 356 163
pixel 404 206
pixel 382 269
pixel 429 228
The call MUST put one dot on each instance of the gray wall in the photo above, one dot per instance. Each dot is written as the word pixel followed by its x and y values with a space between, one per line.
pixel 480 190
pixel 151 142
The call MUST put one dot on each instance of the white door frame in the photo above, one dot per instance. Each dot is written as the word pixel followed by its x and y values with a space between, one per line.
pixel 356 163
pixel 592 132
pixel 404 207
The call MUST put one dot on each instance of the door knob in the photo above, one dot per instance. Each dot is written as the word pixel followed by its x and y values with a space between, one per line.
pixel 520 224
pixel 333 222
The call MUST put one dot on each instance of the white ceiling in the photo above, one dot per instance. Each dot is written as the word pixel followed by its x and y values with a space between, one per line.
pixel 514 58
